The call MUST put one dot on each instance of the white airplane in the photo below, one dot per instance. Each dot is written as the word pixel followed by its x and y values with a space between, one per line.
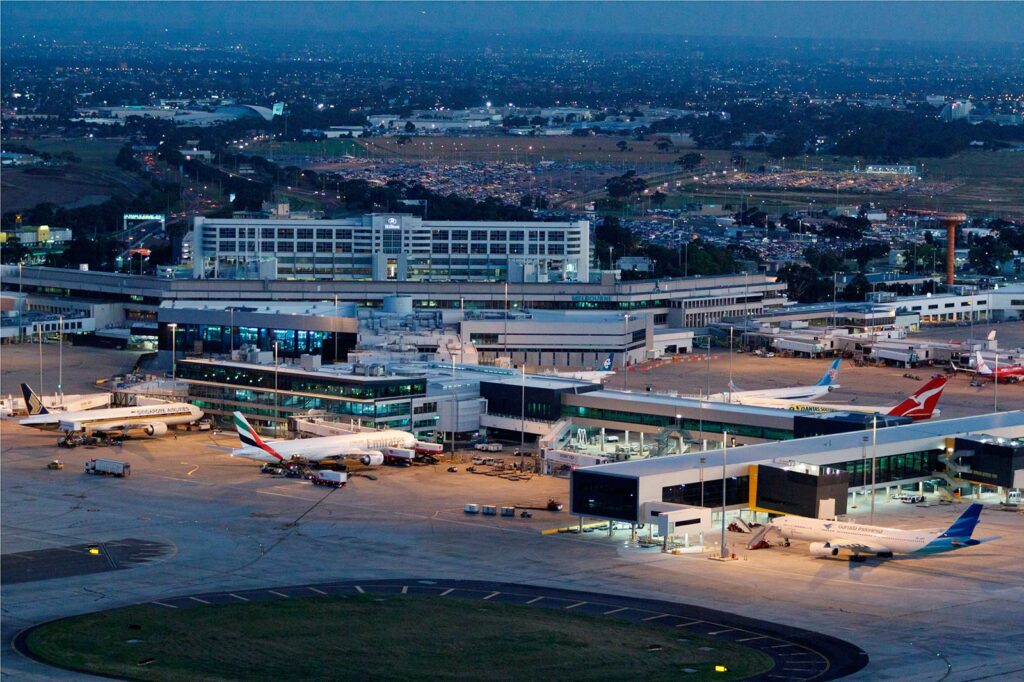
pixel 829 538
pixel 920 405
pixel 825 385
pixel 32 404
pixel 152 420
pixel 595 376
pixel 370 448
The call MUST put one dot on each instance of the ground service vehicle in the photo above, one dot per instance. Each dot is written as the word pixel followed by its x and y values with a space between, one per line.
pixel 108 467
pixel 488 447
pixel 55 464
pixel 335 479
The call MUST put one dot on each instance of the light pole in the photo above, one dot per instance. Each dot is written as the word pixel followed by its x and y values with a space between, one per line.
pixel 174 349
pixel 679 434
pixel 522 420
pixel 462 347
pixel 39 329
pixel 834 286
pixel 730 357
pixel 334 332
pixel 874 443
pixel 60 354
pixel 703 460
pixel 231 330
pixel 277 402
pixel 21 309
pixel 725 446
pixel 995 386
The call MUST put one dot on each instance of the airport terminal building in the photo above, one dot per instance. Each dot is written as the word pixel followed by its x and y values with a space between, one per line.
pixel 391 247
pixel 808 476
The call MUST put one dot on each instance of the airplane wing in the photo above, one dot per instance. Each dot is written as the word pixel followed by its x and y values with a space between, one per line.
pixel 149 428
pixel 859 547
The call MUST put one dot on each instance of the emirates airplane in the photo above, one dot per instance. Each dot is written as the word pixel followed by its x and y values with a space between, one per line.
pixel 829 538
pixel 369 447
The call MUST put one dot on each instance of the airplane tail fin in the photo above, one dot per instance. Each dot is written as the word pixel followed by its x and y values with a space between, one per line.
pixel 609 363
pixel 964 526
pixel 33 403
pixel 831 375
pixel 980 364
pixel 921 405
pixel 250 438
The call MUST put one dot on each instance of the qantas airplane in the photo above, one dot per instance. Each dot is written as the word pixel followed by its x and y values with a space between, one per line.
pixel 825 385
pixel 920 405
pixel 829 538
pixel 1004 373
pixel 370 447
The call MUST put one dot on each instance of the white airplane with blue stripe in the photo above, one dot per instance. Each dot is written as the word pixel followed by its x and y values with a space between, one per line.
pixel 827 383
pixel 830 538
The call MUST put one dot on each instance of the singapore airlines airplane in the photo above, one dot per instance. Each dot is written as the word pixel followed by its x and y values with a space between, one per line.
pixel 920 405
pixel 829 538
pixel 369 447
pixel 825 385
pixel 153 420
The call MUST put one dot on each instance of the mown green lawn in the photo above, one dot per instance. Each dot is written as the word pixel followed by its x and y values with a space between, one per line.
pixel 372 638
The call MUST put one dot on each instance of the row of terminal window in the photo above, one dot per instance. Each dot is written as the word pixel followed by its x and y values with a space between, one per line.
pixel 347 234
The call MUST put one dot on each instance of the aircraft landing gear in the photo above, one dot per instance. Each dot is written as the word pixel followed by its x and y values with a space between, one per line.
pixel 858 558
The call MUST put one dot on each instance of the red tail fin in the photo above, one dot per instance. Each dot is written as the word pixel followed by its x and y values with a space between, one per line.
pixel 921 405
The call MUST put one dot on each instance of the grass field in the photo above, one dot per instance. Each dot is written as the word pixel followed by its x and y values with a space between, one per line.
pixel 397 638
pixel 92 180
pixel 322 148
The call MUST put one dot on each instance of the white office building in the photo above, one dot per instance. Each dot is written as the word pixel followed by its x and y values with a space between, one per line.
pixel 391 247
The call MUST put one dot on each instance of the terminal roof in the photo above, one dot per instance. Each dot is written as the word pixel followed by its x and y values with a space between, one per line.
pixel 834 445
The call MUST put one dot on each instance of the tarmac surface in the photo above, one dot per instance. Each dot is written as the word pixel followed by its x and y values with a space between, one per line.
pixel 868 385
pixel 796 654
pixel 224 527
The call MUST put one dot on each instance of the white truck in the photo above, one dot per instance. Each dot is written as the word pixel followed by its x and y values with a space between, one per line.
pixel 335 479
pixel 108 467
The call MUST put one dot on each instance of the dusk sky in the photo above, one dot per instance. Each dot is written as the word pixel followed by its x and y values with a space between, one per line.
pixel 897 21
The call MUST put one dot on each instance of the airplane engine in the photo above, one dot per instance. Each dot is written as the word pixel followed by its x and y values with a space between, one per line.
pixel 157 429
pixel 823 549
pixel 374 459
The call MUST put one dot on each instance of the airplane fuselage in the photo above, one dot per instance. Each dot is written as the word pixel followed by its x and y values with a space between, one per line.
pixel 328 447
pixel 99 420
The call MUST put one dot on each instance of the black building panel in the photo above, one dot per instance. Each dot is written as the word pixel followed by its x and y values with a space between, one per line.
pixel 787 491
pixel 991 463
pixel 611 497
pixel 808 426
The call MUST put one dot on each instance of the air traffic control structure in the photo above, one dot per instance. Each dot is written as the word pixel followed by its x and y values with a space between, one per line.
pixel 807 476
